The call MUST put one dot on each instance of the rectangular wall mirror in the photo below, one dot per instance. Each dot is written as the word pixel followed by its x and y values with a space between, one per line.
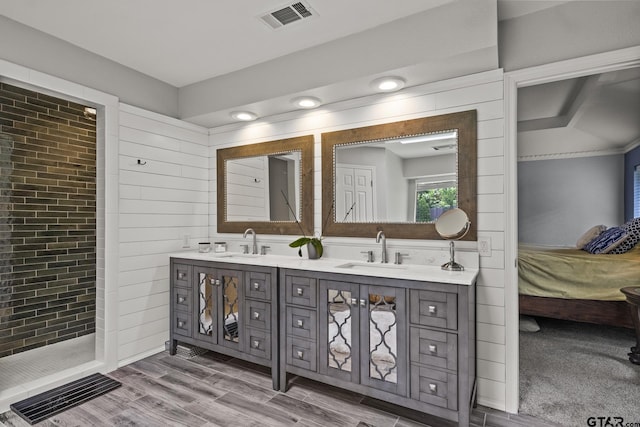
pixel 267 187
pixel 399 177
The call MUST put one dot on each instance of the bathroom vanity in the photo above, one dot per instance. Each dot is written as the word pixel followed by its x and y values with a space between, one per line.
pixel 225 307
pixel 404 334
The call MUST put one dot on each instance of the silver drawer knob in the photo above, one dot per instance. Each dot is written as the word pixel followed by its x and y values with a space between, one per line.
pixel 217 282
pixel 256 344
pixel 180 324
pixel 299 291
pixel 180 299
pixel 300 354
pixel 354 301
pixel 300 323
pixel 181 275
pixel 433 388
pixel 433 348
pixel 256 315
pixel 256 286
pixel 433 310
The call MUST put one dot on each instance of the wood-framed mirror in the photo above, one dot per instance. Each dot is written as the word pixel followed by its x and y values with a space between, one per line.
pixel 399 177
pixel 267 187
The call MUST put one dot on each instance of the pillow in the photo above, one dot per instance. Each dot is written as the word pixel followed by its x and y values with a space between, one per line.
pixel 589 235
pixel 633 230
pixel 606 241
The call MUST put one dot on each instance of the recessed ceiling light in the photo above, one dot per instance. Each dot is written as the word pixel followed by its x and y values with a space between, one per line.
pixel 244 116
pixel 306 102
pixel 388 84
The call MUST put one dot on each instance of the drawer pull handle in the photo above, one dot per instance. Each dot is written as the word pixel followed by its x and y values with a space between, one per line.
pixel 433 310
pixel 256 286
pixel 363 303
pixel 256 344
pixel 181 275
pixel 256 315
pixel 300 354
pixel 433 348
pixel 180 300
pixel 300 323
pixel 354 301
pixel 180 324
pixel 433 388
pixel 299 292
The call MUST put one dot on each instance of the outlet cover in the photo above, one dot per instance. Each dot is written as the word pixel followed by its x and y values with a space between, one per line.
pixel 484 246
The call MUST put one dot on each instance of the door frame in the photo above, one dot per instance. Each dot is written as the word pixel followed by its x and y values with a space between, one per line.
pixel 577 67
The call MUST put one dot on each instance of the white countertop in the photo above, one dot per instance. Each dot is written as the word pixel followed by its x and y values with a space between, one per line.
pixel 423 273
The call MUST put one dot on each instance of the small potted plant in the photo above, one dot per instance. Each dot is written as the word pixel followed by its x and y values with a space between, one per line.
pixel 314 244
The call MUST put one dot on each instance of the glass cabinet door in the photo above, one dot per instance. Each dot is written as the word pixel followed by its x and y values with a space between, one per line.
pixel 231 319
pixel 383 339
pixel 206 302
pixel 339 330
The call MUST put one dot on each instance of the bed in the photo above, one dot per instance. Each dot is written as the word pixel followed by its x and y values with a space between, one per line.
pixel 571 284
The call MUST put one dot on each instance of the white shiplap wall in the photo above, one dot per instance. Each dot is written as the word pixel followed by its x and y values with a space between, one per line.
pixel 483 92
pixel 161 203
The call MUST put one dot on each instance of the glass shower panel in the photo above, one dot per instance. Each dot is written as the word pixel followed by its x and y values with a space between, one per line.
pixel 205 307
pixel 339 329
pixel 230 301
pixel 383 340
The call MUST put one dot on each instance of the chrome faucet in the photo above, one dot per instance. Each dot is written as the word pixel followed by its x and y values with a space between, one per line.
pixel 382 237
pixel 253 233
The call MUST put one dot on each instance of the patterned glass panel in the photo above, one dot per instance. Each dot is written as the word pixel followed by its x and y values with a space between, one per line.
pixel 383 341
pixel 230 296
pixel 339 329
pixel 205 291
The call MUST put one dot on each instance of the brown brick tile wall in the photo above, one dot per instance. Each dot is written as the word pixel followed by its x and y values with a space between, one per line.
pixel 47 220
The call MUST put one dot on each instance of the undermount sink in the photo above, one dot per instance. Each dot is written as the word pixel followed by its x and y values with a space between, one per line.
pixel 228 255
pixel 370 265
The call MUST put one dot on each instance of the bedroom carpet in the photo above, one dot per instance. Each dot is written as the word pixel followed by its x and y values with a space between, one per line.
pixel 571 371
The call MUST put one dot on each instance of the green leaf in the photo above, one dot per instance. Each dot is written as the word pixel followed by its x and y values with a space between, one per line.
pixel 300 242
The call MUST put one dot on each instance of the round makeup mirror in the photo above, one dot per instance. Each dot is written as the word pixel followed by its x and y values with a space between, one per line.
pixel 452 225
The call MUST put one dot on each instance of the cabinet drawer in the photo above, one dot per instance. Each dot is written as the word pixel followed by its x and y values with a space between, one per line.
pixel 434 387
pixel 257 314
pixel 301 291
pixel 301 323
pixel 434 348
pixel 301 353
pixel 181 275
pixel 182 300
pixel 438 309
pixel 257 285
pixel 258 343
pixel 182 324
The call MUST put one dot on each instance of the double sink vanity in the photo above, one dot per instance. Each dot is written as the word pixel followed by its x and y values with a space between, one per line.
pixel 404 333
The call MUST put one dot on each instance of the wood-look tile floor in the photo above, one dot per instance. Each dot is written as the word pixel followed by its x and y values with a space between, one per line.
pixel 215 390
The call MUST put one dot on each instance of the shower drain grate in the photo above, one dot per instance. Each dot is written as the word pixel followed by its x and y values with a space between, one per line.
pixel 59 399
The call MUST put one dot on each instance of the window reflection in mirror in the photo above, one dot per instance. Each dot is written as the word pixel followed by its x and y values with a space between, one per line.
pixel 407 192
pixel 409 179
pixel 264 188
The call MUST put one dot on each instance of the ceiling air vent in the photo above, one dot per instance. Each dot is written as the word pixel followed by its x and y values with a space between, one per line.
pixel 287 15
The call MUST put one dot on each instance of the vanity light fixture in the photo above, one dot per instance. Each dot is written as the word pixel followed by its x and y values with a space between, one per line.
pixel 388 84
pixel 306 102
pixel 244 116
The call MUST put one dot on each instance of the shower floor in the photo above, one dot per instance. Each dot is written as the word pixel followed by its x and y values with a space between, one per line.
pixel 20 373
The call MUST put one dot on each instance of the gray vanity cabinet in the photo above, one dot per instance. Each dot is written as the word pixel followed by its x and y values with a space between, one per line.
pixel 407 342
pixel 224 307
